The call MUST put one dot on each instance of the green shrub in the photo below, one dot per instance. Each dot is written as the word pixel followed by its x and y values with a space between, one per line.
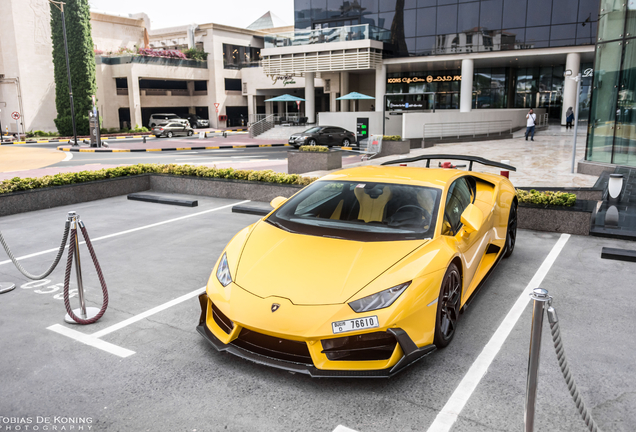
pixel 546 198
pixel 39 133
pixel 392 138
pixel 195 54
pixel 307 148
pixel 17 184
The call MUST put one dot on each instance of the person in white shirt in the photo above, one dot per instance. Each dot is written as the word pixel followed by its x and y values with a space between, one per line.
pixel 530 124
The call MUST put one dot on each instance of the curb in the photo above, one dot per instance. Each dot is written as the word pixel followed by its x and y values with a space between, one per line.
pixel 85 150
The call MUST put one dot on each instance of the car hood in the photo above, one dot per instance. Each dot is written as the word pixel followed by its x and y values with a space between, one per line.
pixel 311 270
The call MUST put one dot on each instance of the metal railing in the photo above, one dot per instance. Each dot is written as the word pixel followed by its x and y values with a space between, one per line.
pixel 466 129
pixel 262 126
pixel 542 120
pixel 328 35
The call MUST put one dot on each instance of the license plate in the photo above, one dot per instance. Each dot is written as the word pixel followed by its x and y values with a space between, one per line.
pixel 355 324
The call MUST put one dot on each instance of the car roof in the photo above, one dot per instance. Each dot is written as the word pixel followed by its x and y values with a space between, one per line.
pixel 430 177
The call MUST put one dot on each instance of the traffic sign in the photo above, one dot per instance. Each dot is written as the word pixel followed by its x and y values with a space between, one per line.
pixel 216 106
pixel 15 115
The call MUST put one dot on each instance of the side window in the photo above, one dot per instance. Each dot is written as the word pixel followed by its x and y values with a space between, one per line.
pixel 460 194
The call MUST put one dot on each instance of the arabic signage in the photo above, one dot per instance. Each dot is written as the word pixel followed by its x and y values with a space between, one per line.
pixel 286 79
pixel 427 79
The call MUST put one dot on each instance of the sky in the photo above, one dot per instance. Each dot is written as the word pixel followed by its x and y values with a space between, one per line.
pixel 170 13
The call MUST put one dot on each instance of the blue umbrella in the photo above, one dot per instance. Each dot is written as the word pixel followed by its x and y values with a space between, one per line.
pixel 285 98
pixel 355 96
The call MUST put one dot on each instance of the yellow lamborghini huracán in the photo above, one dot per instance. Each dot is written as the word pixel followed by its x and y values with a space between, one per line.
pixel 362 272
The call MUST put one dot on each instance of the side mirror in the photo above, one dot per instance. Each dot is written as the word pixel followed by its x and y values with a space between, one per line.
pixel 472 218
pixel 276 202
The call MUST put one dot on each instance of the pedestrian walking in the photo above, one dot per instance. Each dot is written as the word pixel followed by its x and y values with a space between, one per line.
pixel 530 124
pixel 569 118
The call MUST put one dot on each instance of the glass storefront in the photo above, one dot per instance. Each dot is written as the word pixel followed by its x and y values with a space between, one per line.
pixel 427 27
pixel 612 128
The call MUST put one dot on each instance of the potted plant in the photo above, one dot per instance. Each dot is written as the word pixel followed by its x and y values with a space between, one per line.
pixel 313 158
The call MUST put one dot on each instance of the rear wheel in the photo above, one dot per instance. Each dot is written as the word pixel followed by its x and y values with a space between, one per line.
pixel 169 134
pixel 448 307
pixel 194 125
pixel 511 234
pixel 346 142
pixel 190 133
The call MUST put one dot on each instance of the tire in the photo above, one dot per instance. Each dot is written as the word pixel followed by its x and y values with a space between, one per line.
pixel 194 126
pixel 311 142
pixel 346 142
pixel 169 134
pixel 448 305
pixel 152 125
pixel 190 133
pixel 511 232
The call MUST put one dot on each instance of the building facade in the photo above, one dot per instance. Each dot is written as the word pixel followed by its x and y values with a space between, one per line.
pixel 612 128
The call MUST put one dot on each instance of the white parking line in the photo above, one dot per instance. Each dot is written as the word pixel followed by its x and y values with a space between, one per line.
pixel 93 339
pixel 133 230
pixel 68 157
pixel 448 415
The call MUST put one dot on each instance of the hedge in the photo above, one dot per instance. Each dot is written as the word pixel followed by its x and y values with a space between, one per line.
pixel 17 184
pixel 319 149
pixel 392 138
pixel 547 198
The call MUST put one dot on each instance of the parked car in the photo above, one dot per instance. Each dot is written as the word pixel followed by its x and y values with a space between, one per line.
pixel 323 135
pixel 162 119
pixel 396 253
pixel 172 129
pixel 198 122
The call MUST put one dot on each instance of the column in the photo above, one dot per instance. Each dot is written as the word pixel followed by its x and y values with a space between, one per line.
pixel 573 63
pixel 251 108
pixel 380 87
pixel 466 95
pixel 310 97
pixel 281 109
pixel 344 89
pixel 134 101
pixel 269 108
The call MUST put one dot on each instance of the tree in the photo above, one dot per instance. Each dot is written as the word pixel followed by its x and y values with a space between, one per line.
pixel 82 61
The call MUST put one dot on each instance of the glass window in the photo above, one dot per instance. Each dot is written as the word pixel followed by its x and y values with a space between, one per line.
pixel 446 2
pixel 514 13
pixel 233 84
pixel 603 111
pixel 490 15
pixel 425 45
pixel 625 136
pixel 631 18
pixel 334 8
pixel 539 13
pixel 534 34
pixel 564 11
pixel 410 45
pixel 410 4
pixel 361 211
pixel 387 5
pixel 426 3
pixel 567 31
pixel 458 198
pixel 446 19
pixel 468 16
pixel 611 20
pixel 370 6
pixel 410 24
pixel 319 9
pixel 588 9
pixel 426 19
pixel 371 19
pixel 385 20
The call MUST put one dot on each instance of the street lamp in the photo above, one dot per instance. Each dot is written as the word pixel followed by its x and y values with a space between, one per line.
pixel 60 6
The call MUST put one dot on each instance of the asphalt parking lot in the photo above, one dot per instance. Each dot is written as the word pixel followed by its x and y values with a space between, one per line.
pixel 143 366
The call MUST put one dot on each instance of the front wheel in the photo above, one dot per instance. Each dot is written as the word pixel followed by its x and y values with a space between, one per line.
pixel 511 233
pixel 448 305
pixel 190 133
pixel 169 134
pixel 194 126
pixel 311 142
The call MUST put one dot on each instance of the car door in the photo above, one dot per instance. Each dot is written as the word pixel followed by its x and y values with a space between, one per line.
pixel 328 136
pixel 471 246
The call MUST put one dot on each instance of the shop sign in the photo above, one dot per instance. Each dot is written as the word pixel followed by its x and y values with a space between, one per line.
pixel 588 73
pixel 406 105
pixel 428 79
pixel 286 79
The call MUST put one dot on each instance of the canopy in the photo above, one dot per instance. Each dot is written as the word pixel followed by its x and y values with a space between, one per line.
pixel 285 98
pixel 354 96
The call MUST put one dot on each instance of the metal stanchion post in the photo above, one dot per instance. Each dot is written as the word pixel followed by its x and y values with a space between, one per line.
pixel 540 297
pixel 82 312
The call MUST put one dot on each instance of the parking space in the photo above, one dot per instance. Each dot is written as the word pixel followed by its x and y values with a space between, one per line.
pixel 157 257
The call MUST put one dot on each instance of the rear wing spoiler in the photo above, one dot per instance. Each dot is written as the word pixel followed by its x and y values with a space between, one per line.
pixel 470 159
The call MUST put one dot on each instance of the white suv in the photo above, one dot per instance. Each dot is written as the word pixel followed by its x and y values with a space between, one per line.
pixel 162 119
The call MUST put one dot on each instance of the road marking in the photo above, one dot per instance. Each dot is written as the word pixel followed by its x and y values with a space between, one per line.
pixel 91 341
pixel 341 428
pixel 68 157
pixel 448 415
pixel 133 230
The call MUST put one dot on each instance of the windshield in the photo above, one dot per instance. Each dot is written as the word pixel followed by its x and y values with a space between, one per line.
pixel 361 211
pixel 313 130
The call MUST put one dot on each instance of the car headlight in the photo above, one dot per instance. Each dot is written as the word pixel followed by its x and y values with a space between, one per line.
pixel 223 272
pixel 379 300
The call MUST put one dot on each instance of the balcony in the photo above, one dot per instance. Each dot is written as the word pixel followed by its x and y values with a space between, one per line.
pixel 328 35
pixel 126 59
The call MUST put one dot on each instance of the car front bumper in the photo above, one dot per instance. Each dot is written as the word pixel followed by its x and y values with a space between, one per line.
pixel 406 352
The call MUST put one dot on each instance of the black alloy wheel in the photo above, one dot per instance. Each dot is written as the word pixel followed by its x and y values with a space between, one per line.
pixel 169 134
pixel 448 307
pixel 190 133
pixel 311 142
pixel 346 142
pixel 511 234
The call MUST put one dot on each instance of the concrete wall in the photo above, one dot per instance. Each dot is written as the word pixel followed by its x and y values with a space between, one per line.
pixel 25 54
pixel 347 120
pixel 111 32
